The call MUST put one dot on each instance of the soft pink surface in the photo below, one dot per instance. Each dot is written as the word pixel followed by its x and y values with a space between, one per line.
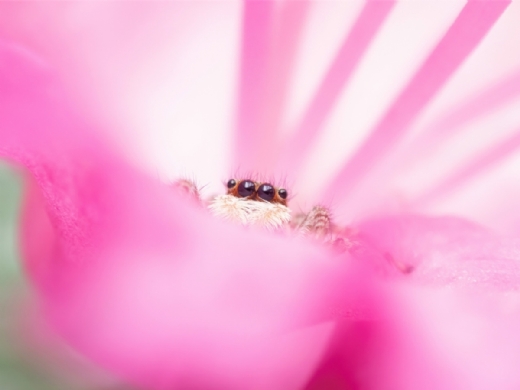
pixel 152 288
pixel 141 282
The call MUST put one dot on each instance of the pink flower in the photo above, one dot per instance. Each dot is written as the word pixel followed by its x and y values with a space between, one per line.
pixel 408 107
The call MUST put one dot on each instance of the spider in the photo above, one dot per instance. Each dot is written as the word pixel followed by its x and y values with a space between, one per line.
pixel 250 202
pixel 260 203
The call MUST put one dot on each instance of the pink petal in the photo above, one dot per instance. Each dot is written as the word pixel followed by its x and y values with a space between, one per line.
pixel 145 284
pixel 442 251
pixel 141 281
pixel 426 339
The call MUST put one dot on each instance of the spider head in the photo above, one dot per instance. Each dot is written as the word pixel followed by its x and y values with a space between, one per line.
pixel 263 192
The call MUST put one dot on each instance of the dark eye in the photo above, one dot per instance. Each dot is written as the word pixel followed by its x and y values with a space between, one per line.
pixel 283 193
pixel 266 192
pixel 231 183
pixel 246 188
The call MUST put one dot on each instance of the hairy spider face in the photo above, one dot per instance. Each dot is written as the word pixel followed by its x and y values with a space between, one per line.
pixel 260 203
pixel 262 192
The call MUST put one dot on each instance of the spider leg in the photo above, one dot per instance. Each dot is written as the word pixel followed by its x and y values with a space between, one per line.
pixel 188 188
pixel 296 220
pixel 317 222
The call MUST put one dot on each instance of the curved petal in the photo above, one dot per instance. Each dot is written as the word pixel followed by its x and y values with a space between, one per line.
pixel 153 288
pixel 144 282
pixel 443 251
pixel 425 339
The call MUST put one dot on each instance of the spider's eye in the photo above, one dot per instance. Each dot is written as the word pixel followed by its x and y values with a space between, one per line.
pixel 246 188
pixel 231 183
pixel 283 193
pixel 266 192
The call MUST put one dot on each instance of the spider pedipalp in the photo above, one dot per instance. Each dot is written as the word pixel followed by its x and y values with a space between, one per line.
pixel 317 222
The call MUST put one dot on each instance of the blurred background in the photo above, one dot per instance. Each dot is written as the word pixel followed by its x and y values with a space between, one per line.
pixel 16 371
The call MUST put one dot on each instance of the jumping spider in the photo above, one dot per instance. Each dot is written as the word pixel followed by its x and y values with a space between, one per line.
pixel 252 202
pixel 261 203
